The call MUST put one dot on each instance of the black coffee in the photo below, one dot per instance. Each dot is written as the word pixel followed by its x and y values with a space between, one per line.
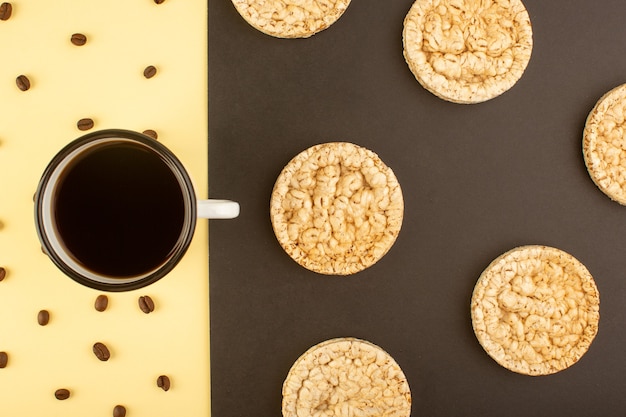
pixel 119 210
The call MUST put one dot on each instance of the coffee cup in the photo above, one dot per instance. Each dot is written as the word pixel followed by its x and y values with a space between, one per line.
pixel 115 210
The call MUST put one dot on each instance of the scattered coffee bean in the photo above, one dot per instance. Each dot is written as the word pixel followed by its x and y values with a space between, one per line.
pixel 102 302
pixel 3 273
pixel 163 382
pixel 62 394
pixel 159 1
pixel 4 359
pixel 101 351
pixel 119 411
pixel 146 304
pixel 85 124
pixel 78 39
pixel 43 317
pixel 23 83
pixel 150 71
pixel 153 134
pixel 5 11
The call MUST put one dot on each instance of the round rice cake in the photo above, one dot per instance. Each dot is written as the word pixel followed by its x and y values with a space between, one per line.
pixel 535 310
pixel 467 51
pixel 336 208
pixel 346 377
pixel 291 18
pixel 604 144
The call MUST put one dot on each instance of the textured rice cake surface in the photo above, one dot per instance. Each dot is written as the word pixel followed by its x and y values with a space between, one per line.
pixel 336 208
pixel 604 144
pixel 467 51
pixel 346 377
pixel 535 310
pixel 291 18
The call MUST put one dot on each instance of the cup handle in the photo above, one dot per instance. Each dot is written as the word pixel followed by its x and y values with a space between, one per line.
pixel 218 209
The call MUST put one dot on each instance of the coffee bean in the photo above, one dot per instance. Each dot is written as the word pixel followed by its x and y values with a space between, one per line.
pixel 101 351
pixel 150 71
pixel 159 1
pixel 153 134
pixel 5 11
pixel 23 83
pixel 62 394
pixel 146 304
pixel 163 382
pixel 85 124
pixel 4 359
pixel 119 411
pixel 78 39
pixel 43 317
pixel 102 302
pixel 3 273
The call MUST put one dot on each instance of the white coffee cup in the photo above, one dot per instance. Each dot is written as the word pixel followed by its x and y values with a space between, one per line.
pixel 116 210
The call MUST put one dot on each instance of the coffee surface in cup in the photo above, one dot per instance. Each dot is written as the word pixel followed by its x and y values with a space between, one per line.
pixel 119 210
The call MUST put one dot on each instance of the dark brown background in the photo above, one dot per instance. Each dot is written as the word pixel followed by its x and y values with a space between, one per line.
pixel 477 180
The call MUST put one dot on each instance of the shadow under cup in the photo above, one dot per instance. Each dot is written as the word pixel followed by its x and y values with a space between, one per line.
pixel 115 210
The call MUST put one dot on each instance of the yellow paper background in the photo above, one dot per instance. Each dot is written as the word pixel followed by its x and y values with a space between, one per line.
pixel 102 80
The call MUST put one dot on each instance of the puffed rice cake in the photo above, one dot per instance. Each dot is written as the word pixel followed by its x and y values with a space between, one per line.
pixel 467 51
pixel 604 144
pixel 346 377
pixel 535 310
pixel 291 18
pixel 336 208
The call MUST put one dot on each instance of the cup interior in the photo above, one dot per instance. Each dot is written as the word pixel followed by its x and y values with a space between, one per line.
pixel 115 210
